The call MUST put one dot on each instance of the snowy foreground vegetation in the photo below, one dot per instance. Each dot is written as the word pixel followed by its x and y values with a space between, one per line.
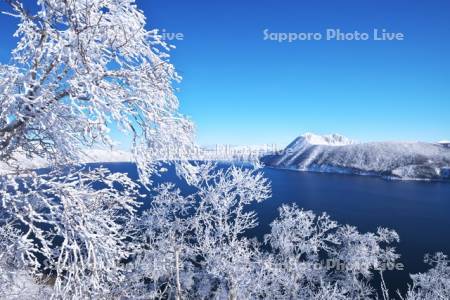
pixel 81 67
pixel 337 154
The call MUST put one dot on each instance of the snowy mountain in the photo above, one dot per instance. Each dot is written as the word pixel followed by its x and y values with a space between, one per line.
pixel 328 140
pixel 338 154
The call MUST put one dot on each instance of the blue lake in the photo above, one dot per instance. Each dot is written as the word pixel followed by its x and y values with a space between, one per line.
pixel 418 211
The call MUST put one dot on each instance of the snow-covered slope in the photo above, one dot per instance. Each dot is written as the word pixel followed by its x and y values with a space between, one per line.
pixel 335 153
pixel 101 155
pixel 91 156
pixel 328 140
pixel 233 153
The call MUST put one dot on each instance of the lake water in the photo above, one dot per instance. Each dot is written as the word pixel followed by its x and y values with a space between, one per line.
pixel 418 211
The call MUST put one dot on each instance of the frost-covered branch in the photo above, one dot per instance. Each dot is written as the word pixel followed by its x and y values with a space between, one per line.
pixel 79 68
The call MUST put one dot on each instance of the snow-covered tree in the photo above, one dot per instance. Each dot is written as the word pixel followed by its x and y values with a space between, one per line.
pixel 314 256
pixel 15 281
pixel 81 68
pixel 193 246
pixel 215 259
pixel 72 227
pixel 433 284
pixel 165 254
pixel 221 220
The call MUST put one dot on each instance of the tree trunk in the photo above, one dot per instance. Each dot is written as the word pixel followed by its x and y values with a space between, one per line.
pixel 177 270
pixel 233 294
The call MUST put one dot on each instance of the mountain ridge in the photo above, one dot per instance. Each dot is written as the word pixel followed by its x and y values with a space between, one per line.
pixel 338 154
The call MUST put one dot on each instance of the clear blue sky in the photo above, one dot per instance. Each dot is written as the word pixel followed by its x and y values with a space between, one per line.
pixel 240 89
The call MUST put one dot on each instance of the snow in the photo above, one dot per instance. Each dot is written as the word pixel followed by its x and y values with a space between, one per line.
pixel 329 140
pixel 338 154
pixel 81 66
pixel 90 156
pixel 444 144
pixel 23 286
pixel 236 153
pixel 101 155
